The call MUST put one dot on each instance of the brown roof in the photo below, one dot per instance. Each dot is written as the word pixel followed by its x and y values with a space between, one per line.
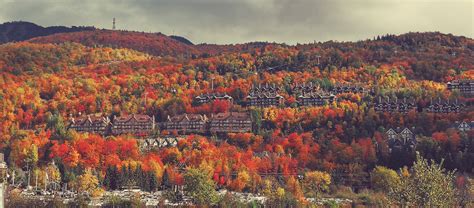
pixel 188 117
pixel 137 117
pixel 231 115
pixel 320 94
pixel 89 118
pixel 254 95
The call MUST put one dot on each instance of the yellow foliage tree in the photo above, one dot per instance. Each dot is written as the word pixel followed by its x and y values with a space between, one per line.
pixel 316 182
pixel 383 178
pixel 88 183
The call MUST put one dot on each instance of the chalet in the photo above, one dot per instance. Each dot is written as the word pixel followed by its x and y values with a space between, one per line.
pixel 90 123
pixel 157 143
pixel 186 123
pixel 464 126
pixel 347 88
pixel 208 98
pixel 393 105
pixel 445 106
pixel 401 138
pixel 230 122
pixel 265 99
pixel 315 99
pixel 137 124
pixel 465 86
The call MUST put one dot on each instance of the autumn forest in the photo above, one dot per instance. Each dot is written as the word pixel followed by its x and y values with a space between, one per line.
pixel 292 153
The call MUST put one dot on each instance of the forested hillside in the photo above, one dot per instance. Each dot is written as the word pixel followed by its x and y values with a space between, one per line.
pixel 152 43
pixel 49 80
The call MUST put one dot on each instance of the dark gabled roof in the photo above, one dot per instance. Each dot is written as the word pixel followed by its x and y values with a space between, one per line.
pixel 92 119
pixel 137 117
pixel 213 96
pixel 321 95
pixel 264 95
pixel 399 130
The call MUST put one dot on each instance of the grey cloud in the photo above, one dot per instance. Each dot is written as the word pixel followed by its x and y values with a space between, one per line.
pixel 232 21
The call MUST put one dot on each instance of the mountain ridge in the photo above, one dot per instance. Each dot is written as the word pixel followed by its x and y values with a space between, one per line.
pixel 21 30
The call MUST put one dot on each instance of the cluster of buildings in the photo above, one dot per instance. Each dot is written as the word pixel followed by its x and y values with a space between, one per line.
pixel 143 125
pixel 405 138
pixel 266 95
pixel 445 106
pixel 229 122
pixel 402 106
pixel 394 105
pixel 136 124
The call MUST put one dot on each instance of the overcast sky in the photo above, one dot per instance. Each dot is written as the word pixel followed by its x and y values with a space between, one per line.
pixel 238 21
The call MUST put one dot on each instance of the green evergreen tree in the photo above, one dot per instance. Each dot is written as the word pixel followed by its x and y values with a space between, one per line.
pixel 200 187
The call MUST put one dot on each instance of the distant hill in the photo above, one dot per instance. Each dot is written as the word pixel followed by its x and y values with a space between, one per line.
pixel 181 39
pixel 20 31
pixel 156 44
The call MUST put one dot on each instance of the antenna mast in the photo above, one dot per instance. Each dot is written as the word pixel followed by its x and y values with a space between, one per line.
pixel 113 25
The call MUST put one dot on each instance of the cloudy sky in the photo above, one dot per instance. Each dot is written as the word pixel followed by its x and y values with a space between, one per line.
pixel 238 21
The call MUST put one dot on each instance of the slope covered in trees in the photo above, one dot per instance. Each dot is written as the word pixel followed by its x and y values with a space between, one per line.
pixel 26 57
pixel 153 43
pixel 335 145
pixel 431 56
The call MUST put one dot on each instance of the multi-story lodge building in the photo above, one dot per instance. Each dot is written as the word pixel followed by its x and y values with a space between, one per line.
pixel 465 86
pixel 265 99
pixel 394 105
pixel 315 99
pixel 186 123
pixel 90 123
pixel 265 96
pixel 347 88
pixel 210 97
pixel 445 106
pixel 230 122
pixel 401 138
pixel 137 124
